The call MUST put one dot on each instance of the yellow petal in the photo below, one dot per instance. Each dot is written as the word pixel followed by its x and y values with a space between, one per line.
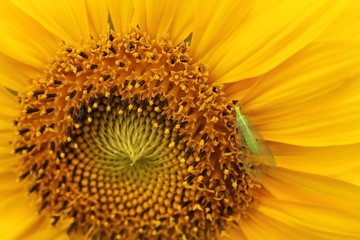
pixel 45 230
pixel 62 236
pixel 258 226
pixel 97 12
pixel 8 103
pixel 352 176
pixel 183 21
pixel 66 19
pixel 340 162
pixel 268 37
pixel 215 23
pixel 7 164
pixel 322 221
pixel 20 220
pixel 8 184
pixel 160 17
pixel 311 99
pixel 17 214
pixel 309 188
pixel 6 141
pixel 234 232
pixel 7 112
pixel 121 13
pixel 10 75
pixel 24 39
pixel 343 27
pixel 6 97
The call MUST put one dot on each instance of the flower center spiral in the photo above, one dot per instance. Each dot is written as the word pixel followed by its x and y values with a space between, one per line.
pixel 129 139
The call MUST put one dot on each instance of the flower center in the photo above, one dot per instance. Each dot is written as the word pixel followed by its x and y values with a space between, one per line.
pixel 128 138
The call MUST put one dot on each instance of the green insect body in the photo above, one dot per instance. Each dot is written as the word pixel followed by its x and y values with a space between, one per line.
pixel 244 126
pixel 260 155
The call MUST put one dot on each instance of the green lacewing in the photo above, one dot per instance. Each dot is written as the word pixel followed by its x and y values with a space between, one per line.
pixel 260 156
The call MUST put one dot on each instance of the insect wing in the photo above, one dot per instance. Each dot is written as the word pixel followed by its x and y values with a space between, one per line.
pixel 259 156
pixel 265 156
pixel 254 169
pixel 255 164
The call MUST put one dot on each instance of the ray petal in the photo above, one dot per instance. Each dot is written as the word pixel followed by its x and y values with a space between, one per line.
pixel 269 36
pixel 30 47
pixel 321 221
pixel 66 19
pixel 159 18
pixel 97 12
pixel 312 99
pixel 301 187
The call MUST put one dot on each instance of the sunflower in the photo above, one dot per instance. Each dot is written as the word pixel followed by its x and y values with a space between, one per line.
pixel 118 119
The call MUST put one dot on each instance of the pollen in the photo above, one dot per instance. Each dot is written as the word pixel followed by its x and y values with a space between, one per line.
pixel 127 137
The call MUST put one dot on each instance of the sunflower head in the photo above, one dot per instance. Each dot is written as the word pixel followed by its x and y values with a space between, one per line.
pixel 127 137
pixel 133 119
